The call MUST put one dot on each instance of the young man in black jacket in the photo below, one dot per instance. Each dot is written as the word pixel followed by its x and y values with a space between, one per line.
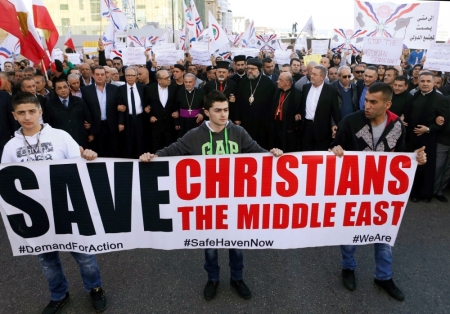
pixel 373 129
pixel 218 136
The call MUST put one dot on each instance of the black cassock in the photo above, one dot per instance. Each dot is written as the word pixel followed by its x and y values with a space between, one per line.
pixel 254 116
pixel 228 88
pixel 187 118
pixel 283 133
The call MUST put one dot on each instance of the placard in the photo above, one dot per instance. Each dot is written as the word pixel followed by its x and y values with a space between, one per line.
pixel 74 58
pixel 168 57
pixel 309 58
pixel 202 57
pixel 381 50
pixel 282 57
pixel 438 57
pixel 134 55
pixel 320 46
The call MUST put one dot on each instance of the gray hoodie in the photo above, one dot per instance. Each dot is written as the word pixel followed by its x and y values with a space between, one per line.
pixel 198 141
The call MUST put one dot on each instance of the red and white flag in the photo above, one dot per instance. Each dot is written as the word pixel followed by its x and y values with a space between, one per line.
pixel 42 20
pixel 68 42
pixel 17 21
pixel 218 37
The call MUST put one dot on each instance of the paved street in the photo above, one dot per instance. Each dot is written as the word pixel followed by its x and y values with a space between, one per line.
pixel 282 281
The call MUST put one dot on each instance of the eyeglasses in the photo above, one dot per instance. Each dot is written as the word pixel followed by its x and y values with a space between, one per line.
pixel 359 72
pixel 346 76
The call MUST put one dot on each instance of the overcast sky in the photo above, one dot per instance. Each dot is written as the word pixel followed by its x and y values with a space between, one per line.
pixel 327 14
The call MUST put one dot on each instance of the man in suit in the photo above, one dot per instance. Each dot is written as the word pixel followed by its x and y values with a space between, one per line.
pixel 133 96
pixel 161 100
pixel 346 90
pixel 370 77
pixel 86 75
pixel 103 100
pixel 268 67
pixel 318 106
pixel 68 113
pixel 223 84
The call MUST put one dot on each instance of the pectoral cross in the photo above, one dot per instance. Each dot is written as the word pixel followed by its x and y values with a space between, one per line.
pixel 190 111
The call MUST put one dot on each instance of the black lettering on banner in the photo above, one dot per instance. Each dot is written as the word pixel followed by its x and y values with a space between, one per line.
pixel 116 218
pixel 39 219
pixel 65 178
pixel 151 197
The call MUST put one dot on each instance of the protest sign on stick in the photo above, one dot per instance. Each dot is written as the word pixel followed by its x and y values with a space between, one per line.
pixel 381 50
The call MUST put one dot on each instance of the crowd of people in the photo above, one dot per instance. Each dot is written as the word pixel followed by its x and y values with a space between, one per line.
pixel 247 104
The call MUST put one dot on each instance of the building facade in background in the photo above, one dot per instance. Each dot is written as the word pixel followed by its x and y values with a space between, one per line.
pixel 221 9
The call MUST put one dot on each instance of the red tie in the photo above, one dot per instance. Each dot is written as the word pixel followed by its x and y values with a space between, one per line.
pixel 221 87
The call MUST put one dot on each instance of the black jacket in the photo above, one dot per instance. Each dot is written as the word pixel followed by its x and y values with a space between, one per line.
pixel 355 99
pixel 70 119
pixel 7 122
pixel 156 108
pixel 123 93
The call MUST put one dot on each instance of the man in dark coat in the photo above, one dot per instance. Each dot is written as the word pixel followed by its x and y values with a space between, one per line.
pixel 253 102
pixel 7 125
pixel 69 113
pixel 190 105
pixel 239 69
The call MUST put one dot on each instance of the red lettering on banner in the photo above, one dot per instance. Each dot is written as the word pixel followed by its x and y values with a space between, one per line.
pixel 348 214
pixel 185 219
pixel 248 218
pixel 266 216
pixel 314 216
pixel 266 179
pixel 280 216
pixel 220 177
pixel 397 211
pixel 374 176
pixel 350 167
pixel 290 187
pixel 364 215
pixel 382 215
pixel 330 175
pixel 311 173
pixel 299 216
pixel 244 171
pixel 221 216
pixel 181 181
pixel 203 218
pixel 329 214
pixel 399 174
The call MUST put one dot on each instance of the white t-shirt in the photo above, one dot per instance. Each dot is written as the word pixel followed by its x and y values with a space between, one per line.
pixel 53 144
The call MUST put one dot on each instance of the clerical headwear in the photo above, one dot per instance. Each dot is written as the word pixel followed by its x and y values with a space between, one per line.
pixel 210 67
pixel 239 58
pixel 179 66
pixel 255 61
pixel 222 65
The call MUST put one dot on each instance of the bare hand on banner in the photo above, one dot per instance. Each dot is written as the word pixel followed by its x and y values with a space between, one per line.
pixel 88 154
pixel 421 156
pixel 276 152
pixel 337 150
pixel 147 157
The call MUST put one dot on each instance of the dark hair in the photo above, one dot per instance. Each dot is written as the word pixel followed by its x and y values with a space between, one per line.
pixel 7 62
pixel 392 69
pixel 69 50
pixel 212 97
pixel 418 65
pixel 402 78
pixel 118 58
pixel 25 79
pixel 294 59
pixel 286 65
pixel 385 89
pixel 426 73
pixel 373 68
pixel 106 60
pixel 101 67
pixel 59 80
pixel 21 98
pixel 70 71
pixel 266 60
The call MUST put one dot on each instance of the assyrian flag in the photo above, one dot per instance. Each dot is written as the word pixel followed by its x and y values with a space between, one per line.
pixel 347 40
pixel 235 39
pixel 309 27
pixel 249 39
pixel 108 9
pixel 169 29
pixel 151 41
pixel 162 39
pixel 17 21
pixel 135 41
pixel 10 47
pixel 190 25
pixel 268 42
pixel 116 53
pixel 43 21
pixel 218 37
pixel 182 39
pixel 109 39
pixel 196 18
pixel 68 42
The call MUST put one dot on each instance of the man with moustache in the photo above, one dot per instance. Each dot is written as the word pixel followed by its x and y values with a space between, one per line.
pixel 389 76
pixel 239 69
pixel 401 96
pixel 190 104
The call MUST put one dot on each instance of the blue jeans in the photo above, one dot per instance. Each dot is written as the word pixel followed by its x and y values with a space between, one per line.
pixel 212 266
pixel 383 259
pixel 57 282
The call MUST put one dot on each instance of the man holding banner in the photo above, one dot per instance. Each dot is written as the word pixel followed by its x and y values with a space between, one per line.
pixel 35 142
pixel 373 129
pixel 218 136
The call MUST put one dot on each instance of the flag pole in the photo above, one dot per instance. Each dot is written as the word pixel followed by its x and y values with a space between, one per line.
pixel 45 70
pixel 101 19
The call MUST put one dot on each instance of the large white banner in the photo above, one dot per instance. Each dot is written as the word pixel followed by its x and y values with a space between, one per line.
pixel 416 23
pixel 382 50
pixel 249 201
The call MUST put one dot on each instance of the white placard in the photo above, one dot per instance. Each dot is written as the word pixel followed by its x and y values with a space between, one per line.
pixel 90 50
pixel 248 52
pixel 135 55
pixel 169 57
pixel 199 45
pixel 438 57
pixel 57 54
pixel 74 58
pixel 320 46
pixel 202 57
pixel 381 50
pixel 282 57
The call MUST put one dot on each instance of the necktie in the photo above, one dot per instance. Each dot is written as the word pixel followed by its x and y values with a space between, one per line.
pixel 221 87
pixel 65 103
pixel 133 105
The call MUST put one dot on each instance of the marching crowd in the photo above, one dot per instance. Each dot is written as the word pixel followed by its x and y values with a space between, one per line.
pixel 242 105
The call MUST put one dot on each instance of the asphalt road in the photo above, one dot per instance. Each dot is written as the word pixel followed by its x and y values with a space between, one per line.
pixel 282 281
